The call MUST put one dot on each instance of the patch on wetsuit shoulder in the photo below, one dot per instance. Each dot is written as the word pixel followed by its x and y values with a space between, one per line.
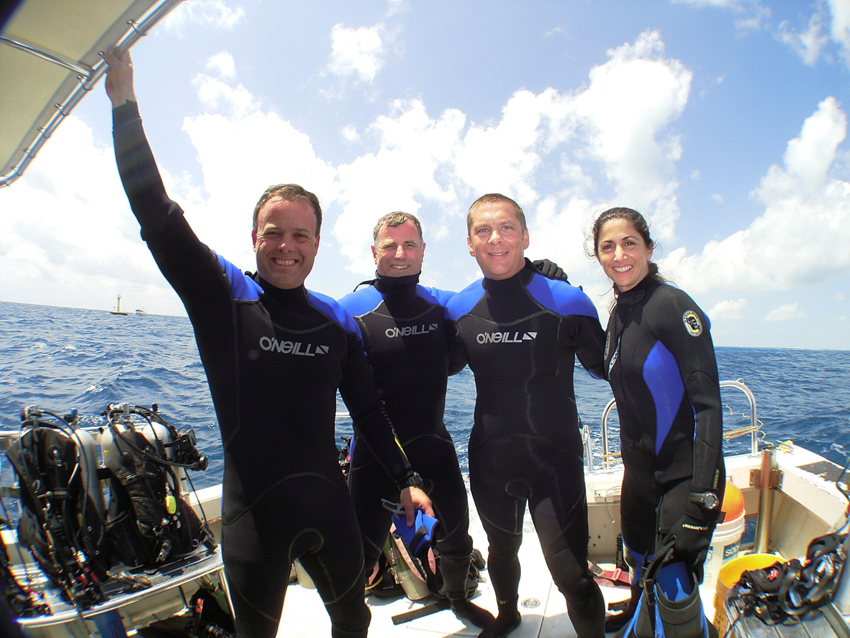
pixel 692 323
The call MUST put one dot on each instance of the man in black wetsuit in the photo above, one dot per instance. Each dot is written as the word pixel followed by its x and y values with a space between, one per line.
pixel 274 354
pixel 520 333
pixel 403 327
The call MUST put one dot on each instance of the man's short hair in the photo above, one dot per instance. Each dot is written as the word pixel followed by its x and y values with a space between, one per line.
pixel 290 193
pixel 495 198
pixel 396 219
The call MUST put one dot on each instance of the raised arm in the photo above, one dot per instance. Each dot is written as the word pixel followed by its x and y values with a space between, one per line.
pixel 188 265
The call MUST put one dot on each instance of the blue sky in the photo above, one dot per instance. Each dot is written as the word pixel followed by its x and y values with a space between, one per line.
pixel 723 121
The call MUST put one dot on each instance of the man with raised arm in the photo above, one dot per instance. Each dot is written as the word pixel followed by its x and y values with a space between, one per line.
pixel 520 334
pixel 275 355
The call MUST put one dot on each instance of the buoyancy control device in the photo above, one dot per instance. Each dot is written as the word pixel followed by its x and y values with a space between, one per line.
pixel 148 520
pixel 62 521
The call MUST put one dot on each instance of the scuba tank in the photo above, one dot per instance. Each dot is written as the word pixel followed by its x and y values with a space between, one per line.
pixel 89 463
pixel 414 586
pixel 408 547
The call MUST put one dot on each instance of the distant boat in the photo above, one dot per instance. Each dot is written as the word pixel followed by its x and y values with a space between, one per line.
pixel 141 311
pixel 117 310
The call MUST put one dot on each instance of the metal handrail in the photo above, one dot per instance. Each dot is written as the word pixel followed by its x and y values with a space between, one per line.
pixel 738 384
pixel 754 427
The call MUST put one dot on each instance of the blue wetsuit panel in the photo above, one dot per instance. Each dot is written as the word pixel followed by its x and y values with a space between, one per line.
pixel 244 288
pixel 665 384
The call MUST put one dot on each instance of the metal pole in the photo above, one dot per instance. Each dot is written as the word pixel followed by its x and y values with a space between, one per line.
pixel 768 465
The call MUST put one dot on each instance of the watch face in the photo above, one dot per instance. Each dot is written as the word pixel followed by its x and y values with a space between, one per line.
pixel 710 500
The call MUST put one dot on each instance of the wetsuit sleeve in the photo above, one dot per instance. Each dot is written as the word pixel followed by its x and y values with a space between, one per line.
pixel 370 420
pixel 185 262
pixel 684 331
pixel 580 330
pixel 139 173
pixel 457 351
pixel 590 345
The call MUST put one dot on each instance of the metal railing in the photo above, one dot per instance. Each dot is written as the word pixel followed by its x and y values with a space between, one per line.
pixel 607 456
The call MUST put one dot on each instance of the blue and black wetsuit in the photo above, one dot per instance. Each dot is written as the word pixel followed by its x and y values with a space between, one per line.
pixel 520 336
pixel 274 359
pixel 403 327
pixel 661 365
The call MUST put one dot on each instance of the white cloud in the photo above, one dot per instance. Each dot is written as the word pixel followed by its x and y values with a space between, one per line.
pixel 786 312
pixel 630 103
pixel 808 42
pixel 270 151
pixel 203 12
pixel 727 310
pixel 87 264
pixel 840 30
pixel 504 157
pixel 357 52
pixel 395 7
pixel 619 124
pixel 349 133
pixel 826 29
pixel 218 95
pixel 783 247
pixel 78 240
pixel 717 197
pixel 749 14
pixel 223 65
pixel 400 175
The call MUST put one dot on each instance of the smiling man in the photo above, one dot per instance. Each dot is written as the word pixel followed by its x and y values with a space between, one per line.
pixel 520 334
pixel 274 354
pixel 403 327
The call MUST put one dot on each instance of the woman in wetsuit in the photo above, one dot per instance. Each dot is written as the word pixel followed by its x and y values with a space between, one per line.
pixel 659 359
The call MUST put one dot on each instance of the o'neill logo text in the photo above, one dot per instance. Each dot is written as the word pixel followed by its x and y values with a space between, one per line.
pixel 505 337
pixel 408 331
pixel 271 344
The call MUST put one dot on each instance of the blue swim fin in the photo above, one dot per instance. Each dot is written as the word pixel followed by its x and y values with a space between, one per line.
pixel 417 535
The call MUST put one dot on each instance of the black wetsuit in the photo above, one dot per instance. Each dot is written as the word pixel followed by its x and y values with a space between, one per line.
pixel 520 337
pixel 274 359
pixel 661 365
pixel 662 369
pixel 403 326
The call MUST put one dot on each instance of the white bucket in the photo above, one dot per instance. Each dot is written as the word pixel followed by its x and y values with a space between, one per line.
pixel 724 547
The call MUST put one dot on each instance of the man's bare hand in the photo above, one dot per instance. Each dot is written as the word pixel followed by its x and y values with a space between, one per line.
pixel 412 499
pixel 119 78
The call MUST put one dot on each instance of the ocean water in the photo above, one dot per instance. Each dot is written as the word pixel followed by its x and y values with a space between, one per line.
pixel 63 358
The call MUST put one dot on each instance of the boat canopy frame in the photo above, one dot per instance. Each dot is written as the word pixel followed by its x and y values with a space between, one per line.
pixel 51 56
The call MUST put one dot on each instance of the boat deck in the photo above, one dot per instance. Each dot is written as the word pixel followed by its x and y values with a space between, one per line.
pixel 543 608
